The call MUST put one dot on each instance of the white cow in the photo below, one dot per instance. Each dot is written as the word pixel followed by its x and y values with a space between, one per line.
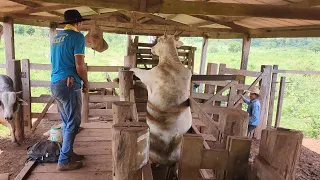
pixel 168 110
pixel 10 103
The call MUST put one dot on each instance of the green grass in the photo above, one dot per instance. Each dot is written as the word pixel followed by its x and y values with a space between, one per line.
pixel 300 108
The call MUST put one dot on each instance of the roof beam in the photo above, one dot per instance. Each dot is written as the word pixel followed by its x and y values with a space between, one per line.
pixel 35 5
pixel 41 9
pixel 200 7
pixel 306 3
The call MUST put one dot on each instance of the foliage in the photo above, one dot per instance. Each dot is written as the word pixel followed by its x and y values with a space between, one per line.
pixel 31 31
pixel 234 47
pixel 315 47
pixel 300 107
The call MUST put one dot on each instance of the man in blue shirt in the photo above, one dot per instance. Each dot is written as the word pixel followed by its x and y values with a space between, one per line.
pixel 68 72
pixel 253 109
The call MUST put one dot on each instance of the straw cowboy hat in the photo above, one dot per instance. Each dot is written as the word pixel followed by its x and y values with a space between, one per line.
pixel 73 16
pixel 254 90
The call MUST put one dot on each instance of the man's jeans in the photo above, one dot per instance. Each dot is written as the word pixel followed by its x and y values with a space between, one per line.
pixel 69 103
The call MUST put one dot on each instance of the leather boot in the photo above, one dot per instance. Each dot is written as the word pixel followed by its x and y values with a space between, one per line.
pixel 69 166
pixel 76 157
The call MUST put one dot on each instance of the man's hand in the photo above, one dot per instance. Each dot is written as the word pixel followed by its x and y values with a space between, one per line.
pixel 81 71
pixel 85 87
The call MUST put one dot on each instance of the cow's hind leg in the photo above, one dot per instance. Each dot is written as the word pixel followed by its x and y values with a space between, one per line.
pixel 12 128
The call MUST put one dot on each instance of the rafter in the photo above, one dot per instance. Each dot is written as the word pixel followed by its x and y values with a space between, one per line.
pixel 51 9
pixel 306 3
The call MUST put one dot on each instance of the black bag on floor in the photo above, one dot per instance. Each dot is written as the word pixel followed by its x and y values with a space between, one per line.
pixel 44 151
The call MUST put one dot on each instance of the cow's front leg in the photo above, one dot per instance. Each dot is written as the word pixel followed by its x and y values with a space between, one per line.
pixel 11 126
pixel 143 75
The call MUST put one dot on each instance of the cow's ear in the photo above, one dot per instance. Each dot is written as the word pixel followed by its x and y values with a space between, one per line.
pixel 22 102
pixel 178 44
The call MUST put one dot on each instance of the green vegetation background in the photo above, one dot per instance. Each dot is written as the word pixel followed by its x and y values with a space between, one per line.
pixel 302 94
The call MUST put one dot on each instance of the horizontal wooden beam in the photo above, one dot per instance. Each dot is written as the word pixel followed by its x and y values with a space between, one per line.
pixel 214 77
pixel 200 7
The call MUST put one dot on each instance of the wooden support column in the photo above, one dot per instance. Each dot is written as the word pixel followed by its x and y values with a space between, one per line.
pixel 130 61
pixel 246 43
pixel 203 60
pixel 53 31
pixel 85 103
pixel 124 111
pixel 125 84
pixel 280 101
pixel 212 69
pixel 130 150
pixel 222 69
pixel 272 96
pixel 15 75
pixel 8 32
pixel 26 93
pixel 129 45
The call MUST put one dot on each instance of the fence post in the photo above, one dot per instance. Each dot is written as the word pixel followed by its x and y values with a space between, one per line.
pixel 125 84
pixel 222 68
pixel 124 111
pixel 280 101
pixel 85 102
pixel 15 74
pixel 272 96
pixel 26 94
pixel 212 69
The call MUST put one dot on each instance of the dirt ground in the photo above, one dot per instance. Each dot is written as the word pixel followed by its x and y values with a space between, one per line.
pixel 12 158
pixel 309 162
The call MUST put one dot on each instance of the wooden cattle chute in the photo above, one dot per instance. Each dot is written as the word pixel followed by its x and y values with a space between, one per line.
pixel 145 59
pixel 27 67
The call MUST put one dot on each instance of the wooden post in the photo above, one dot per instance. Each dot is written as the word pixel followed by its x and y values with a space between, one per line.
pixel 85 103
pixel 246 43
pixel 212 69
pixel 190 158
pixel 15 75
pixel 130 150
pixel 222 68
pixel 26 94
pixel 53 31
pixel 280 101
pixel 124 111
pixel 8 32
pixel 129 43
pixel 272 96
pixel 130 61
pixel 203 60
pixel 125 84
pixel 239 150
pixel 264 97
pixel 191 59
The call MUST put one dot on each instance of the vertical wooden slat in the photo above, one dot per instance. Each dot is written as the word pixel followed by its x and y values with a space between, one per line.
pixel 85 103
pixel 272 96
pixel 190 158
pixel 125 84
pixel 15 75
pixel 26 90
pixel 264 97
pixel 280 101
pixel 203 60
pixel 246 43
pixel 212 69
pixel 8 33
pixel 222 68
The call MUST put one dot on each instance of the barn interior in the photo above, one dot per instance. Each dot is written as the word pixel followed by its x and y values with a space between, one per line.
pixel 217 146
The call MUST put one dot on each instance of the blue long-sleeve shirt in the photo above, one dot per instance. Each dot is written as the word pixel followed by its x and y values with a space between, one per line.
pixel 254 111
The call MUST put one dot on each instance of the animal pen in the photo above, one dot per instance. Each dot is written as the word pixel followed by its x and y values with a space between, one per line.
pixel 217 146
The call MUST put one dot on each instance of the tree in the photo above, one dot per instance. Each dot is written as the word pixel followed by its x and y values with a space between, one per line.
pixel 19 30
pixel 234 47
pixel 31 31
pixel 315 46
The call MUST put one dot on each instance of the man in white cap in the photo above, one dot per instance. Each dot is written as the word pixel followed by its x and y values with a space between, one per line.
pixel 253 108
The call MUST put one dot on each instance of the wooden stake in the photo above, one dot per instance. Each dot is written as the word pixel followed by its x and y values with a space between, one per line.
pixel 280 101
pixel 15 74
pixel 124 111
pixel 130 150
pixel 125 84
pixel 26 93
pixel 272 96
pixel 8 32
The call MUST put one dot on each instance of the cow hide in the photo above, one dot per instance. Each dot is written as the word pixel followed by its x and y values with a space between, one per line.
pixel 94 40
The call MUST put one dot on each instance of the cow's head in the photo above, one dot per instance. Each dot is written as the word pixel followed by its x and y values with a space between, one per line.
pixel 10 103
pixel 165 43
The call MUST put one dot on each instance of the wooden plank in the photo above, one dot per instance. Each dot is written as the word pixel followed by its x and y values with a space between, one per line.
pixel 297 72
pixel 203 59
pixel 246 43
pixel 191 155
pixel 280 101
pixel 232 83
pixel 212 69
pixel 96 125
pixel 205 144
pixel 214 159
pixel 104 68
pixel 232 97
pixel 103 85
pixel 4 176
pixel 41 99
pixel 209 96
pixel 3 66
pixel 222 68
pixel 70 175
pixel 26 93
pixel 103 98
pixel 147 172
pixel 93 148
pixel 8 33
pixel 100 112
pixel 49 116
pixel 97 163
pixel 40 66
pixel 26 169
pixel 95 133
pixel 53 32
pixel 214 77
pixel 85 100
pixel 272 96
pixel 40 83
pixel 44 111
pixel 242 72
pixel 265 171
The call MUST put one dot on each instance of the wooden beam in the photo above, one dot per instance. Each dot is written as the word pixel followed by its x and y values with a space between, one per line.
pixel 53 31
pixel 214 77
pixel 272 96
pixel 42 9
pixel 8 33
pixel 280 101
pixel 26 169
pixel 306 3
pixel 246 43
pixel 44 111
pixel 203 62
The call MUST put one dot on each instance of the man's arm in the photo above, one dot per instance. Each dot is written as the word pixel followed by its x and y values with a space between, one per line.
pixel 81 71
pixel 255 118
pixel 247 101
